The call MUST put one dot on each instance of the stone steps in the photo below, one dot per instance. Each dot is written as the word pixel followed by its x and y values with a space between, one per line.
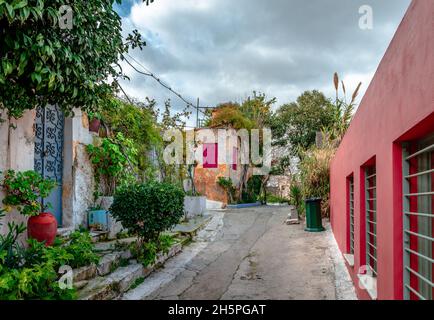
pixel 111 286
pixel 117 271
pixel 109 280
pixel 107 264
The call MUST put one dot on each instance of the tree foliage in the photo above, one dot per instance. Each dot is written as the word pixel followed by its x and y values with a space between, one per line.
pixel 137 122
pixel 42 63
pixel 314 165
pixel 295 124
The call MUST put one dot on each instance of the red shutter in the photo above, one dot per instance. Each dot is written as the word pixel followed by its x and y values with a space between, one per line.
pixel 210 155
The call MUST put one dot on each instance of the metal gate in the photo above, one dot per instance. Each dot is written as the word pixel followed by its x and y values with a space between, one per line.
pixel 49 129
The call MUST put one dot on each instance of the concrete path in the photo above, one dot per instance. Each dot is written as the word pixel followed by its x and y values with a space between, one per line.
pixel 252 254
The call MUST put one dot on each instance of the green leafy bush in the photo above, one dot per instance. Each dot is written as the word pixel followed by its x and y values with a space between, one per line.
pixel 32 273
pixel 146 210
pixel 24 189
pixel 80 247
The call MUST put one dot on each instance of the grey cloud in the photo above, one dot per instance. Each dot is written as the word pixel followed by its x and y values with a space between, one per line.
pixel 280 46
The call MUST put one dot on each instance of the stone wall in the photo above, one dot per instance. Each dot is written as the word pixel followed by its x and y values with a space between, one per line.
pixel 280 186
pixel 78 177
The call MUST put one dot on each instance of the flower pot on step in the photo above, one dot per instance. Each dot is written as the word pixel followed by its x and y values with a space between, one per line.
pixel 98 220
pixel 42 228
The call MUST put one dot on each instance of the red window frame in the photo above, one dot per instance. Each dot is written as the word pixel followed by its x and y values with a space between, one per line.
pixel 235 158
pixel 210 155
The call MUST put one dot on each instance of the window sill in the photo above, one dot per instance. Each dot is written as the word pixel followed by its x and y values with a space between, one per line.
pixel 350 259
pixel 368 283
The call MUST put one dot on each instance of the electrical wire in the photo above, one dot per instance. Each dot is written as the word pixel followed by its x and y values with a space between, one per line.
pixel 148 73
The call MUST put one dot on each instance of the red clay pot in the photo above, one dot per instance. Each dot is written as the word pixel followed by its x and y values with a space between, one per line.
pixel 43 228
pixel 94 125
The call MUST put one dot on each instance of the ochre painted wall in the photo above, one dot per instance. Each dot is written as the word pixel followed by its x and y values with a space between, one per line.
pixel 398 106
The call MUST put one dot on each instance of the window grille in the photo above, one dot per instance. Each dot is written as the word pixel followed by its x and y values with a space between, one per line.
pixel 418 188
pixel 371 218
pixel 351 212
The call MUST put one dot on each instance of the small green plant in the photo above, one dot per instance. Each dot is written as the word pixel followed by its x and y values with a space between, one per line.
pixel 24 191
pixel 147 252
pixel 296 197
pixel 192 194
pixel 137 283
pixel 12 252
pixel 166 242
pixel 228 186
pixel 271 198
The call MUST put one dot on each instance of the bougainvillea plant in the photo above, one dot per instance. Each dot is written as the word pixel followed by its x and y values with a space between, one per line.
pixel 24 190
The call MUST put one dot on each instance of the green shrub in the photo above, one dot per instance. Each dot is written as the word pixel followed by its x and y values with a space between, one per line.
pixel 253 192
pixel 32 273
pixel 147 210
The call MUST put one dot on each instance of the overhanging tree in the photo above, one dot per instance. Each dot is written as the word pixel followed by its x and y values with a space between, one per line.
pixel 42 63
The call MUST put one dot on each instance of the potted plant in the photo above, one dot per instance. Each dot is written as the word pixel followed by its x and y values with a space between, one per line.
pixel 111 159
pixel 25 190
pixel 94 121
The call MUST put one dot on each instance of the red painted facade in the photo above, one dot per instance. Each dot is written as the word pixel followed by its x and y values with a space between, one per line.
pixel 398 106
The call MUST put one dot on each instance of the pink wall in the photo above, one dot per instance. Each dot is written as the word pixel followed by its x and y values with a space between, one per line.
pixel 398 105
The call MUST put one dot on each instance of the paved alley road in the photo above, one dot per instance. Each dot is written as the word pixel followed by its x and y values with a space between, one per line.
pixel 254 255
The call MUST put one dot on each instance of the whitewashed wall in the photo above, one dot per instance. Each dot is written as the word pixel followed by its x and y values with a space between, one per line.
pixel 19 156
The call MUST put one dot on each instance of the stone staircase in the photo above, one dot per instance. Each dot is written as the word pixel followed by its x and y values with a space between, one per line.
pixel 116 272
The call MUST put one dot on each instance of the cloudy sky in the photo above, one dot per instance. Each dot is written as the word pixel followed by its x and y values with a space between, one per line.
pixel 222 50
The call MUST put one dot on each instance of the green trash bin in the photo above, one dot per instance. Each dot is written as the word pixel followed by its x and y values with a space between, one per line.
pixel 313 215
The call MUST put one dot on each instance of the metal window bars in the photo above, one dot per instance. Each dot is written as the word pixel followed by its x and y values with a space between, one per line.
pixel 371 217
pixel 351 211
pixel 418 189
